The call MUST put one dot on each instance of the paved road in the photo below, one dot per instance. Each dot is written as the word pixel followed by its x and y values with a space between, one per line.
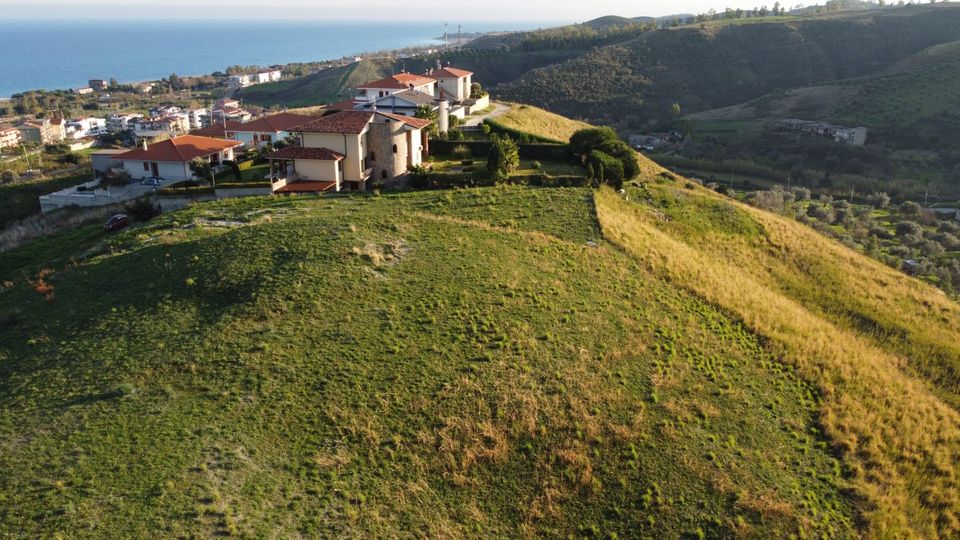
pixel 498 109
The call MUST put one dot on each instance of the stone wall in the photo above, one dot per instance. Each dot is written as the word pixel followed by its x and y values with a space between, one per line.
pixel 381 141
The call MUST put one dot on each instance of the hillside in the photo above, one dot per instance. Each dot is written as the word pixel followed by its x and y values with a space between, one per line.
pixel 493 362
pixel 322 88
pixel 725 63
pixel 544 124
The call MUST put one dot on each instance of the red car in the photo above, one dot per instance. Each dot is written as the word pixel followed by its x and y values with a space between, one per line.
pixel 117 222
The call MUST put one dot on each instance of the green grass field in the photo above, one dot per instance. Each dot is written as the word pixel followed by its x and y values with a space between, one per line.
pixel 458 363
pixel 498 362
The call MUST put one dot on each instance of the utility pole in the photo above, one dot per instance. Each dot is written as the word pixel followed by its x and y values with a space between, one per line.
pixel 459 36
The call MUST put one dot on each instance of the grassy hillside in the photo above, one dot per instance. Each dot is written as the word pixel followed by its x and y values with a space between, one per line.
pixel 716 65
pixel 461 363
pixel 477 363
pixel 538 122
pixel 327 86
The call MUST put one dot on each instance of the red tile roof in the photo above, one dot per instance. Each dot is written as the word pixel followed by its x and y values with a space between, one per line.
pixel 307 186
pixel 299 152
pixel 217 130
pixel 399 81
pixel 179 149
pixel 416 123
pixel 451 72
pixel 346 122
pixel 275 123
pixel 345 105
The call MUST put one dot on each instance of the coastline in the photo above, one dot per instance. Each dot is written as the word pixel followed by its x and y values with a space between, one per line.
pixel 310 43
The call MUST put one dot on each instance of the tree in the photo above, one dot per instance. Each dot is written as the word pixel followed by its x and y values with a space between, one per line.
pixel 476 91
pixel 504 157
pixel 607 168
pixel 114 84
pixel 604 139
pixel 201 168
pixel 426 112
pixel 910 208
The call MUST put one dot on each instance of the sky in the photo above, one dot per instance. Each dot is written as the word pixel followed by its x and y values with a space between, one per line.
pixel 380 10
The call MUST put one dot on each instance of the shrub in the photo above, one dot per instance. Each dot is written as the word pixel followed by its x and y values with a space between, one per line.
pixel 822 212
pixel 905 228
pixel 141 209
pixel 878 200
pixel 801 193
pixel 607 169
pixel 536 165
pixel 910 208
pixel 461 151
pixel 9 176
pixel 504 157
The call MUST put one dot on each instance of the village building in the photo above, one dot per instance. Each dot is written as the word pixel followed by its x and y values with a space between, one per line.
pixel 122 122
pixel 39 131
pixel 170 159
pixel 156 126
pixel 268 129
pixel 349 150
pixel 856 136
pixel 9 137
pixel 80 128
pixel 98 84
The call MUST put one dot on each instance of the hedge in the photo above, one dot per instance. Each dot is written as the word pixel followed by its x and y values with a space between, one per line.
pixel 482 148
pixel 434 180
pixel 244 185
pixel 185 191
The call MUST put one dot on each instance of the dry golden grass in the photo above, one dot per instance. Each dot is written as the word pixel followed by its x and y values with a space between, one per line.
pixel 540 123
pixel 900 441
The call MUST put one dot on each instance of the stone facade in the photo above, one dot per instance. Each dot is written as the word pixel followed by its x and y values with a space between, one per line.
pixel 389 150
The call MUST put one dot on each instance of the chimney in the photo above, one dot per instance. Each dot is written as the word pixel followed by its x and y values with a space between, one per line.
pixel 143 144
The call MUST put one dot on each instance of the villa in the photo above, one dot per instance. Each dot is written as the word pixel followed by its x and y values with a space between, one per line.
pixel 170 159
pixel 348 150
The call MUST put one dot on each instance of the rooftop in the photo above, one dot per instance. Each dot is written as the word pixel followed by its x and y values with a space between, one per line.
pixel 299 152
pixel 180 149
pixel 450 72
pixel 399 81
pixel 275 123
pixel 346 122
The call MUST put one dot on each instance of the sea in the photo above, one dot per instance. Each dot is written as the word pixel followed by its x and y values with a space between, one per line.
pixel 50 55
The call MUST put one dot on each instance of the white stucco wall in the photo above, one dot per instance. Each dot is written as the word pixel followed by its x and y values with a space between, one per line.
pixel 324 171
pixel 169 171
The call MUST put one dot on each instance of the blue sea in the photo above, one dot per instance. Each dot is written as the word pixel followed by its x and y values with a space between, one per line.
pixel 53 55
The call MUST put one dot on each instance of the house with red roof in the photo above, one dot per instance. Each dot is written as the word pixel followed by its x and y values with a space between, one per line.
pixel 349 150
pixel 455 83
pixel 267 129
pixel 170 159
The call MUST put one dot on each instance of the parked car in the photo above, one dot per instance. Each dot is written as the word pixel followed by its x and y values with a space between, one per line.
pixel 116 222
pixel 152 181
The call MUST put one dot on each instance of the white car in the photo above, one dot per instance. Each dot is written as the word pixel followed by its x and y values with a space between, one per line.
pixel 152 181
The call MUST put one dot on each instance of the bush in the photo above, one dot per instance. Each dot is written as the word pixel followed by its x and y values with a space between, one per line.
pixel 141 210
pixel 461 151
pixel 905 228
pixel 9 176
pixel 504 157
pixel 822 212
pixel 536 165
pixel 607 169
pixel 605 140
pixel 878 200
pixel 910 208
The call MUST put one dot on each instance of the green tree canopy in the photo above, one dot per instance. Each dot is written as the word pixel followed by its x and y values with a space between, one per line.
pixel 504 156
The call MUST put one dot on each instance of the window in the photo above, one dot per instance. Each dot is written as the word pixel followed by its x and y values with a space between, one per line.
pixel 394 149
pixel 383 174
pixel 146 166
pixel 373 156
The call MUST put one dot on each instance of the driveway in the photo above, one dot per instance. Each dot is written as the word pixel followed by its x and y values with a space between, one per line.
pixel 498 110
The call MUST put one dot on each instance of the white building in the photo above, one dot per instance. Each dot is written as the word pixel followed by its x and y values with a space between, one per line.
pixel 170 159
pixel 122 122
pixel 171 125
pixel 80 128
pixel 9 137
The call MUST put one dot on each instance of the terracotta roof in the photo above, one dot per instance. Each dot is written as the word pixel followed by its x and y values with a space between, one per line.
pixel 416 123
pixel 306 186
pixel 345 105
pixel 274 123
pixel 217 130
pixel 399 81
pixel 299 152
pixel 418 98
pixel 451 72
pixel 180 149
pixel 346 122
